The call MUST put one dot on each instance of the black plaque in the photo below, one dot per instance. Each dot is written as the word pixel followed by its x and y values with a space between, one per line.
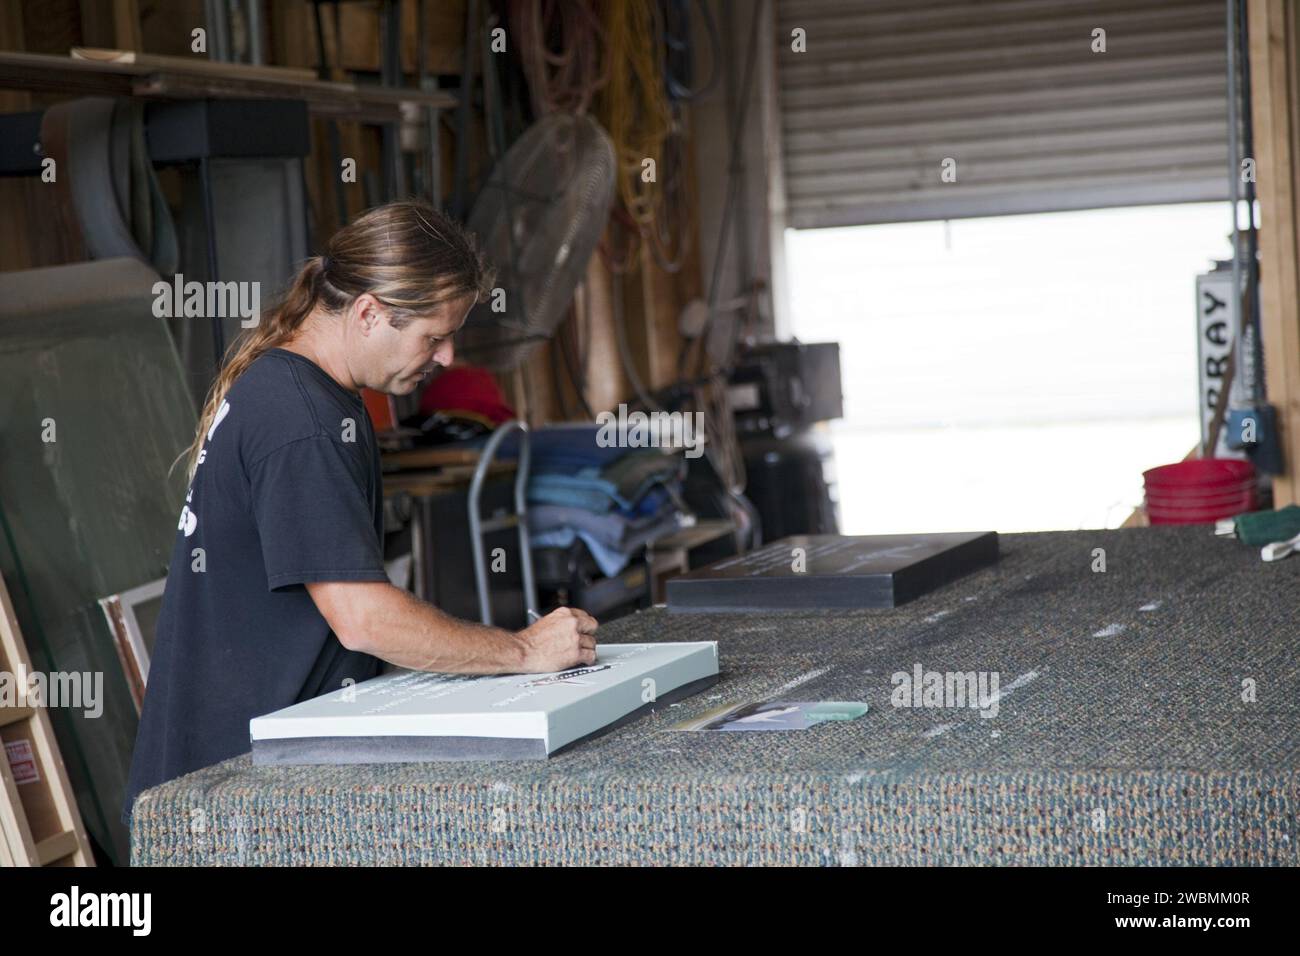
pixel 834 571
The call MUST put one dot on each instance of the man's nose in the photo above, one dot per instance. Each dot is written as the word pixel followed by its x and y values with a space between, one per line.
pixel 445 353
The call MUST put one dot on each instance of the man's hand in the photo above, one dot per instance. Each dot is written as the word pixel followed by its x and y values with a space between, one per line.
pixel 564 638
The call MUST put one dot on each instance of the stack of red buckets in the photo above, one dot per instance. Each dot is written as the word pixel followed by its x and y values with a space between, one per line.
pixel 1199 491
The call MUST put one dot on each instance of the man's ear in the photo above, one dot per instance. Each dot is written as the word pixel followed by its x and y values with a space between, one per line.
pixel 366 313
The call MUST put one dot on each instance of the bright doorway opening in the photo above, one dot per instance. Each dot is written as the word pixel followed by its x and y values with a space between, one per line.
pixel 1014 373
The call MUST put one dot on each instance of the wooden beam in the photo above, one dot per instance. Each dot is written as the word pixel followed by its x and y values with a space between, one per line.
pixel 150 62
pixel 1274 64
pixel 607 386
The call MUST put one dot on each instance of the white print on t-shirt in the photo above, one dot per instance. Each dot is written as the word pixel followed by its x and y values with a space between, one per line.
pixel 189 520
pixel 222 412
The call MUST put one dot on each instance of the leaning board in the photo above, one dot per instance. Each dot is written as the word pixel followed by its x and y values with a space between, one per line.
pixel 407 716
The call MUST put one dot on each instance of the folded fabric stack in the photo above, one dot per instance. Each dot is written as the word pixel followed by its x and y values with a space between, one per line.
pixel 615 500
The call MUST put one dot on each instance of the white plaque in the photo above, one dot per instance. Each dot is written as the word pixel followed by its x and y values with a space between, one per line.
pixel 407 715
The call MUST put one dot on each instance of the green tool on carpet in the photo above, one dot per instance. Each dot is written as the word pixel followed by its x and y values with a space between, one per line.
pixel 1264 527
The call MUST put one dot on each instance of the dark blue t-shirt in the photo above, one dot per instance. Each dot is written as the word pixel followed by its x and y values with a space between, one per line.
pixel 288 490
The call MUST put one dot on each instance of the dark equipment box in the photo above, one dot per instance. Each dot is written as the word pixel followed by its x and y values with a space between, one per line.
pixel 779 387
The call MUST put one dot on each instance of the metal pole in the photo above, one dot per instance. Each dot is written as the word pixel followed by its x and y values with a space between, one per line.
pixel 459 200
pixel 1252 238
pixel 210 225
pixel 476 529
pixel 432 158
pixel 218 18
pixel 325 72
pixel 256 47
pixel 521 510
pixel 1245 374
pixel 390 20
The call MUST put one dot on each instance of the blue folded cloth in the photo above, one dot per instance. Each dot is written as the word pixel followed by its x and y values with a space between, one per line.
pixel 566 447
pixel 574 491
pixel 610 560
pixel 612 529
pixel 570 448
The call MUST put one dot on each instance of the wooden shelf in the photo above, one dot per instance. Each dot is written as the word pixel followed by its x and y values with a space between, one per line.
pixel 429 458
pixel 439 481
pixel 148 78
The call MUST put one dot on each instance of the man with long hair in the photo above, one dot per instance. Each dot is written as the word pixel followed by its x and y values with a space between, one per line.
pixel 277 591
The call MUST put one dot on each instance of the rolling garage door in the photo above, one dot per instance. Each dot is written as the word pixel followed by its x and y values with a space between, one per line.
pixel 1012 92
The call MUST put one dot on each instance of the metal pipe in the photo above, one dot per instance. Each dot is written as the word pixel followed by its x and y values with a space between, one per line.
pixel 734 164
pixel 459 201
pixel 1244 372
pixel 521 509
pixel 1252 317
pixel 218 17
pixel 390 18
pixel 210 228
pixel 486 457
pixel 324 71
pixel 256 47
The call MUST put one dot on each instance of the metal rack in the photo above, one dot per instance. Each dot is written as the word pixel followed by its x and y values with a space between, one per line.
pixel 478 528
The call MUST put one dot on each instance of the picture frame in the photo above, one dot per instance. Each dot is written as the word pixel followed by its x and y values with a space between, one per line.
pixel 132 618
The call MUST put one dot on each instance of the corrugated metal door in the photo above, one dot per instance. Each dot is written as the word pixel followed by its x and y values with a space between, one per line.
pixel 1012 92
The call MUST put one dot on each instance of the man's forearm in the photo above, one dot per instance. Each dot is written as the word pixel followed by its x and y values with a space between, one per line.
pixel 398 627
pixel 378 619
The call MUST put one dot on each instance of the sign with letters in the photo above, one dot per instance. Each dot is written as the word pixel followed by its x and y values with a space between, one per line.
pixel 1215 321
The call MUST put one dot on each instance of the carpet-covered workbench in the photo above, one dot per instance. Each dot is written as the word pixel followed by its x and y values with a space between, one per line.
pixel 1149 713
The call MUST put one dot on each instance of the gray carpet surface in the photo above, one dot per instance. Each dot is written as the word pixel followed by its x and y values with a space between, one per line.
pixel 1149 713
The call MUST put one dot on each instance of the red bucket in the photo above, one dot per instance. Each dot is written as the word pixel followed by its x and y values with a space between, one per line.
pixel 1201 473
pixel 1199 491
pixel 1227 498
pixel 1159 515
